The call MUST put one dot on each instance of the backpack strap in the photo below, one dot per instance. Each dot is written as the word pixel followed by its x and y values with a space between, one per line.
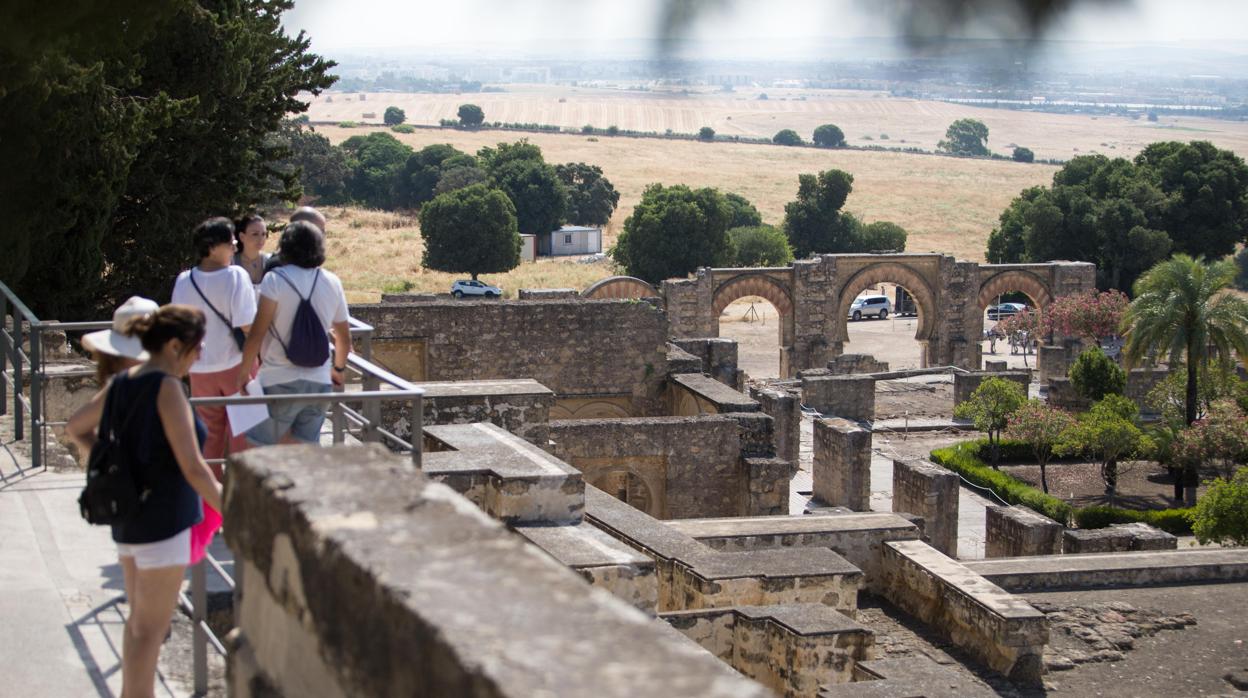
pixel 228 325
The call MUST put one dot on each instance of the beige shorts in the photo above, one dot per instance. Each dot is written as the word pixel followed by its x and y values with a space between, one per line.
pixel 170 552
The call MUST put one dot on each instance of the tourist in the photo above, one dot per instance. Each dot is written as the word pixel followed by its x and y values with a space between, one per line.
pixel 303 213
pixel 273 340
pixel 225 295
pixel 162 434
pixel 250 234
pixel 114 350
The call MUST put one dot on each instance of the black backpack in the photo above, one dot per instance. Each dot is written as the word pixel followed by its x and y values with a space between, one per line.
pixel 309 344
pixel 112 493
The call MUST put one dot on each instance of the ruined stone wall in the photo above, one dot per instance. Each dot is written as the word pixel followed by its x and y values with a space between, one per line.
pixel 689 306
pixel 842 464
pixel 341 576
pixel 928 490
pixel 813 306
pixel 719 358
pixel 577 348
pixel 966 383
pixel 521 407
pixel 1142 380
pixel 856 363
pixel 689 466
pixel 850 397
pixel 1018 531
pixel 786 413
pixel 1062 394
pixel 691 394
pixel 1117 538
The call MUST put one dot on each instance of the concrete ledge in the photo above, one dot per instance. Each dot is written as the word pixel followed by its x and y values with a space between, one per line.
pixel 858 537
pixel 508 477
pixel 360 577
pixel 601 559
pixel 791 648
pixel 693 576
pixel 1003 631
pixel 1108 570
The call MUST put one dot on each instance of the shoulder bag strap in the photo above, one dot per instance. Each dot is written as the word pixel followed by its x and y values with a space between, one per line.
pixel 228 325
pixel 293 287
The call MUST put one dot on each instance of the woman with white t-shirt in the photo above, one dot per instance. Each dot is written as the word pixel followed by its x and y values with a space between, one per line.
pixel 250 234
pixel 302 250
pixel 225 295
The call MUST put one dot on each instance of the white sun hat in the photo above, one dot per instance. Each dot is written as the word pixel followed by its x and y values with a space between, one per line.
pixel 114 341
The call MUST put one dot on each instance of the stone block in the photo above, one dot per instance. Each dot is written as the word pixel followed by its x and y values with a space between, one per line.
pixel 1062 394
pixel 850 397
pixel 691 394
pixel 521 407
pixel 794 649
pixel 966 382
pixel 719 358
pixel 1182 567
pixel 681 361
pixel 1003 631
pixel 925 489
pixel 848 364
pixel 1117 538
pixel 339 576
pixel 842 464
pixel 1142 380
pixel 996 366
pixel 769 480
pixel 786 413
pixel 1018 531
pixel 602 560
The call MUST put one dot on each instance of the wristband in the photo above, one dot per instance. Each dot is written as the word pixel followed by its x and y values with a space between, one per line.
pixel 340 370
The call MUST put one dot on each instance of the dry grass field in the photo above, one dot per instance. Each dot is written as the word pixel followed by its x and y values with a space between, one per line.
pixel 864 116
pixel 947 204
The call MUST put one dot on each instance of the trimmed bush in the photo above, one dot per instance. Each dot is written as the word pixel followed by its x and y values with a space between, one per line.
pixel 1174 521
pixel 963 460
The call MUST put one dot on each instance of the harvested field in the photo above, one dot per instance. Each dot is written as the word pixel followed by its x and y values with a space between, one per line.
pixel 946 204
pixel 866 117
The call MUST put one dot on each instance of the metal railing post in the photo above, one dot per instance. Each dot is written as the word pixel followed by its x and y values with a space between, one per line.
pixel 4 353
pixel 36 396
pixel 338 419
pixel 416 418
pixel 371 409
pixel 18 412
pixel 199 615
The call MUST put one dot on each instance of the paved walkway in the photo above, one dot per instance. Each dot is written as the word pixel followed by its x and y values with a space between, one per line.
pixel 972 516
pixel 62 601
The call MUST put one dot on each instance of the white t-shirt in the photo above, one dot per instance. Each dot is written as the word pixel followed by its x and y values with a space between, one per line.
pixel 330 304
pixel 230 292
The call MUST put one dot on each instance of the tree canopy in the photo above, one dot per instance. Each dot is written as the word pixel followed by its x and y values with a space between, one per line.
pixel 539 197
pixel 470 115
pixel 814 222
pixel 591 198
pixel 882 236
pixel 424 169
pixel 470 230
pixel 376 161
pixel 760 246
pixel 394 116
pixel 966 137
pixel 706 133
pixel 829 136
pixel 1022 154
pixel 673 231
pixel 743 213
pixel 1126 215
pixel 990 408
pixel 786 137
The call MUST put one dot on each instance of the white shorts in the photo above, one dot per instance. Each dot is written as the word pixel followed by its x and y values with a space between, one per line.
pixel 169 552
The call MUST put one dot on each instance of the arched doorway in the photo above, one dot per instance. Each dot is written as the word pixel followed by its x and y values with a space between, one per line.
pixel 1009 294
pixel 620 287
pixel 757 312
pixel 897 331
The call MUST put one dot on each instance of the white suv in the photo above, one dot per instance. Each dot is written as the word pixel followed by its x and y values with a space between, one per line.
pixel 870 306
pixel 465 287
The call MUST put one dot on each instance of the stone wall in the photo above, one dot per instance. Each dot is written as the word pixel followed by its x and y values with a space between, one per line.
pixel 339 576
pixel 1062 394
pixel 930 491
pixel 687 466
pixel 1001 630
pixel 688 305
pixel 547 294
pixel 786 413
pixel 965 383
pixel 846 364
pixel 522 407
pixel 1142 380
pixel 842 464
pixel 577 348
pixel 1054 360
pixel 719 359
pixel 692 394
pixel 794 649
pixel 1018 531
pixel 1117 538
pixel 851 397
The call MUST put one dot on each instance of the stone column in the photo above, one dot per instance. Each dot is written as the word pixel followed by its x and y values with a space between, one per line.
pixel 925 489
pixel 842 464
pixel 787 415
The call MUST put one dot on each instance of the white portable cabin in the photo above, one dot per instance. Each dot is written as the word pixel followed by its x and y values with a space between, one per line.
pixel 570 240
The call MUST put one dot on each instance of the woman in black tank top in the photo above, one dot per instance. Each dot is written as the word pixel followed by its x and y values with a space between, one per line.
pixel 160 432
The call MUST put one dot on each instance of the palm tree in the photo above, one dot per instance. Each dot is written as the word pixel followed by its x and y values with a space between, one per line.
pixel 1183 307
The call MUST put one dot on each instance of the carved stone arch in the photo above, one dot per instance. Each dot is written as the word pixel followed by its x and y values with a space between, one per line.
pixel 759 285
pixel 620 287
pixel 1014 280
pixel 888 272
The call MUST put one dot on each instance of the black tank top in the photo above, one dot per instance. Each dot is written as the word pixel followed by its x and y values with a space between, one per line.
pixel 169 504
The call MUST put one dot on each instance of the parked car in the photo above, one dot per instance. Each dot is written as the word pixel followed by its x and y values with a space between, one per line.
pixel 870 306
pixel 998 312
pixel 466 287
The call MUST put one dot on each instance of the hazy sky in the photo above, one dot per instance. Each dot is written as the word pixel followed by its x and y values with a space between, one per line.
pixel 337 25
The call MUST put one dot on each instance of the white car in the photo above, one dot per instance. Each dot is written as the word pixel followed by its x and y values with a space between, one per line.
pixel 870 306
pixel 466 287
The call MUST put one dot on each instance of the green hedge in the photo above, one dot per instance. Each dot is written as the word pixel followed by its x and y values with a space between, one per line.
pixel 966 459
pixel 1176 521
pixel 963 459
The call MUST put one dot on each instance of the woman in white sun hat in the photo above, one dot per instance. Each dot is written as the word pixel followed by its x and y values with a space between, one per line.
pixel 114 350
